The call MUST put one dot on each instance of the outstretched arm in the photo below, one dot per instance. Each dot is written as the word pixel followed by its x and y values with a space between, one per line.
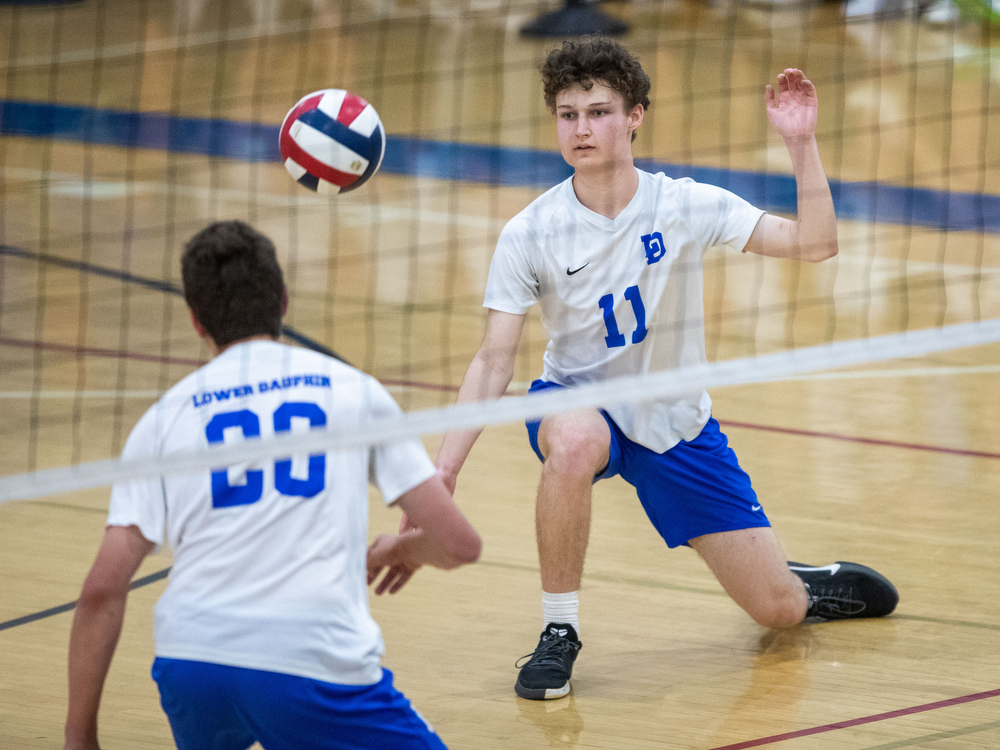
pixel 487 378
pixel 813 237
pixel 97 624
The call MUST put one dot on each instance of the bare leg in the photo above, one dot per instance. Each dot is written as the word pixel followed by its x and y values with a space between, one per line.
pixel 752 569
pixel 576 446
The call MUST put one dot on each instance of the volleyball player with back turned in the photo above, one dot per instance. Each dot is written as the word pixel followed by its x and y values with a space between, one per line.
pixel 613 255
pixel 263 633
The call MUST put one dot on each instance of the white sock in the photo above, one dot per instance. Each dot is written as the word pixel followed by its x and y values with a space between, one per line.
pixel 562 608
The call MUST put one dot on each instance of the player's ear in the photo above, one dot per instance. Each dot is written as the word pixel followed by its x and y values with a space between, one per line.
pixel 635 116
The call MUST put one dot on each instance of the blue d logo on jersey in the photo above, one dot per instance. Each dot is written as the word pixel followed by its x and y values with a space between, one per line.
pixel 654 247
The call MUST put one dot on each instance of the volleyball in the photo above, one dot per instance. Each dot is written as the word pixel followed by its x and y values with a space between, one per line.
pixel 332 141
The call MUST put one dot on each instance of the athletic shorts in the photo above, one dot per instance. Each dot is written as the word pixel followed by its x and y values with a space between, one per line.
pixel 695 488
pixel 217 707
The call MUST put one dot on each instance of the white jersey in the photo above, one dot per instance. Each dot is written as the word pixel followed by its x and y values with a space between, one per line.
pixel 622 296
pixel 269 558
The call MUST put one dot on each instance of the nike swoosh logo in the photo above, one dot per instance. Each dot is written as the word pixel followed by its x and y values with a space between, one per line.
pixel 754 508
pixel 570 273
pixel 833 568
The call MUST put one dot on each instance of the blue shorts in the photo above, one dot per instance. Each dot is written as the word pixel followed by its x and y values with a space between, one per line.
pixel 695 488
pixel 217 707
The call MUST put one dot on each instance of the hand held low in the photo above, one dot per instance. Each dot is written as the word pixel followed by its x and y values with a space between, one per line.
pixel 392 552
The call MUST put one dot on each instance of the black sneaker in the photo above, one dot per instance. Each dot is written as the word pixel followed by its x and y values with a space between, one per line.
pixel 845 590
pixel 546 674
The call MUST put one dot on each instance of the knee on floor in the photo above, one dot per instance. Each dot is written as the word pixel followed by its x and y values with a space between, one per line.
pixel 781 609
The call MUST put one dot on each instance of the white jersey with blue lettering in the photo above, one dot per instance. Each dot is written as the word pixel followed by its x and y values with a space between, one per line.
pixel 269 558
pixel 622 296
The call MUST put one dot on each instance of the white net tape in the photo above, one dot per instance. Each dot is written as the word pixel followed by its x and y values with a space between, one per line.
pixel 433 421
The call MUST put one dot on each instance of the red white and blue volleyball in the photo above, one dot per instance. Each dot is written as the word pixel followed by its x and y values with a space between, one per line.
pixel 332 141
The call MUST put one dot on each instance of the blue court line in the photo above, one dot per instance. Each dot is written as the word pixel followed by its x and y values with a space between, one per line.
pixel 500 165
pixel 160 286
pixel 138 583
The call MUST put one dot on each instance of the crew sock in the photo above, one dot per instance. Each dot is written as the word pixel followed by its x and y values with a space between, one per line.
pixel 562 608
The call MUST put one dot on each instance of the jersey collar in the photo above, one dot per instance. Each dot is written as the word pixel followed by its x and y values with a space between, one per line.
pixel 603 222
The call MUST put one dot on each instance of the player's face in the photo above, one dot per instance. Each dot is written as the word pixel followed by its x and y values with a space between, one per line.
pixel 594 130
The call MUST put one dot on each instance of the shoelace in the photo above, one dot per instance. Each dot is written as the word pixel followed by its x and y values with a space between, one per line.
pixel 549 652
pixel 833 602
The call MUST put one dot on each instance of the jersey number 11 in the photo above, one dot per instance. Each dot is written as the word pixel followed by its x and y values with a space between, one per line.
pixel 614 337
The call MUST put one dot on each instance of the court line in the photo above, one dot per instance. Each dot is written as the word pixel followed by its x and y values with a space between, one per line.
pixel 88 394
pixel 98 352
pixel 154 284
pixel 25 395
pixel 861 440
pixel 650 584
pixel 160 575
pixel 392 382
pixel 138 583
pixel 604 578
pixel 907 372
pixel 943 621
pixel 861 721
pixel 348 214
pixel 483 163
pixel 896 372
pixel 159 358
pixel 520 388
pixel 170 288
pixel 936 736
pixel 367 214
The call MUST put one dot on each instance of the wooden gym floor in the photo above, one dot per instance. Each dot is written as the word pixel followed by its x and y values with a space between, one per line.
pixel 895 465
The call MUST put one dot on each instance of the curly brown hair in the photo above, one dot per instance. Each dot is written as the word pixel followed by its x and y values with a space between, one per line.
pixel 233 283
pixel 595 59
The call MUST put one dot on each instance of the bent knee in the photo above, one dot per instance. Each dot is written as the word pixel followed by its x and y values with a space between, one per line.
pixel 780 610
pixel 576 446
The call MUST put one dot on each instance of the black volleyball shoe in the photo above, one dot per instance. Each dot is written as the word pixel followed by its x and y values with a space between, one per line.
pixel 546 673
pixel 845 590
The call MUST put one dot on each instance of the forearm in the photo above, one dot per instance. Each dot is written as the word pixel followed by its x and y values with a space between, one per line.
pixel 816 227
pixel 485 380
pixel 419 547
pixel 97 625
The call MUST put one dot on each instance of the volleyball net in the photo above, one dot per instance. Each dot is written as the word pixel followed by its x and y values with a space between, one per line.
pixel 124 133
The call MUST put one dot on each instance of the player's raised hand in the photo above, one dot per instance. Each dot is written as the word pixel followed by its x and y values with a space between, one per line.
pixel 388 552
pixel 792 109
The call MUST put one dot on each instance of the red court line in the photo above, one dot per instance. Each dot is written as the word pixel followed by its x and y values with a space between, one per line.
pixel 864 720
pixel 92 352
pixel 422 386
pixel 865 441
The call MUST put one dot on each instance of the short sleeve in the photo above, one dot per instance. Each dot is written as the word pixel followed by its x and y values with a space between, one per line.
pixel 718 217
pixel 141 502
pixel 512 286
pixel 395 468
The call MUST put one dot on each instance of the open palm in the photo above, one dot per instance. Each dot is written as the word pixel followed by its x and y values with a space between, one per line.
pixel 792 108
